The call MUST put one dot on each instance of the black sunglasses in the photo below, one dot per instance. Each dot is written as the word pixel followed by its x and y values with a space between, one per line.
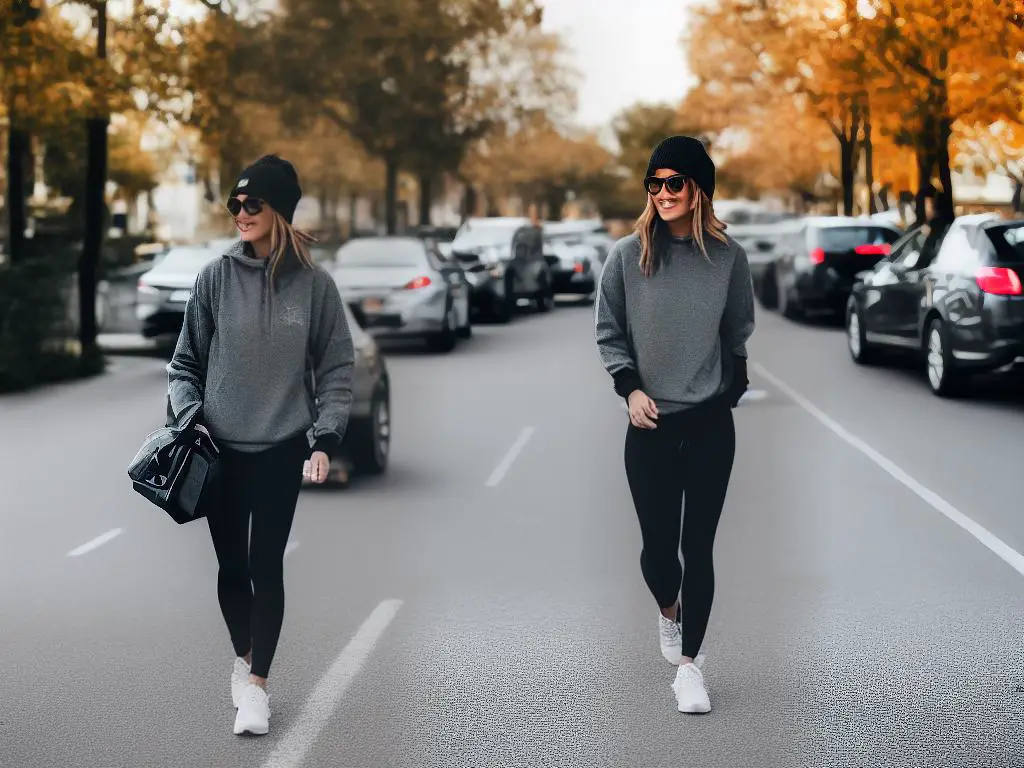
pixel 251 205
pixel 675 184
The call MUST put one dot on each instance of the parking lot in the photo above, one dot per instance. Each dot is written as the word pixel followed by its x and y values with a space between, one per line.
pixel 480 603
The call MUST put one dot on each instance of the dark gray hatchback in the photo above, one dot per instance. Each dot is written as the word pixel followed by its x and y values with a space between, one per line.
pixel 952 294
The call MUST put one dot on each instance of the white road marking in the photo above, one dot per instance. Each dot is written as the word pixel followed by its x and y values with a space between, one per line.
pixel 290 547
pixel 99 541
pixel 506 463
pixel 1010 556
pixel 328 692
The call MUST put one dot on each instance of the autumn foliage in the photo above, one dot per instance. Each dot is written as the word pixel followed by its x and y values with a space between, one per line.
pixel 898 85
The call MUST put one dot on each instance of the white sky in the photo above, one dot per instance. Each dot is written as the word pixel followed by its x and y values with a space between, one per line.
pixel 625 50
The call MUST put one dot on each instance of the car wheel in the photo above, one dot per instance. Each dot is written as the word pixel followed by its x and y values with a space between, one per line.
pixel 861 351
pixel 371 443
pixel 787 308
pixel 768 293
pixel 943 379
pixel 466 331
pixel 505 306
pixel 545 298
pixel 445 339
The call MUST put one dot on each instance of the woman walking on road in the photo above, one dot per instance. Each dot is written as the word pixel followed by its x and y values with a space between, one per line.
pixel 266 351
pixel 675 310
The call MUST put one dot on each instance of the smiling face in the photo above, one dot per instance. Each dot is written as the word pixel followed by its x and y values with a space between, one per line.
pixel 254 221
pixel 670 205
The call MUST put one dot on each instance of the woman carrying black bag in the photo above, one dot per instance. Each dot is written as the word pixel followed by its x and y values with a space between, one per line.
pixel 675 310
pixel 266 351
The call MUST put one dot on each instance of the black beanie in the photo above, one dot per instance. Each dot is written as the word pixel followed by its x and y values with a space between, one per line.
pixel 688 156
pixel 274 181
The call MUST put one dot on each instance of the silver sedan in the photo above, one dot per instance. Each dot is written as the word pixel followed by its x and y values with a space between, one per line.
pixel 402 287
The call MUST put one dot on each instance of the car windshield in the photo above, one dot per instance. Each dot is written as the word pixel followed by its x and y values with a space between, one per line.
pixel 369 252
pixel 1008 241
pixel 835 239
pixel 481 235
pixel 186 259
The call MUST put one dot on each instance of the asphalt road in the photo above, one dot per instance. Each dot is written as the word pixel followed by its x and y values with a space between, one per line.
pixel 482 604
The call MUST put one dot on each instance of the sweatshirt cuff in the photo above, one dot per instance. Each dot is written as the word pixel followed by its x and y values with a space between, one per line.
pixel 329 444
pixel 627 381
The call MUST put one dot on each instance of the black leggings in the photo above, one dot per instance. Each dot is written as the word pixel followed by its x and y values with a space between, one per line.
pixel 691 452
pixel 250 584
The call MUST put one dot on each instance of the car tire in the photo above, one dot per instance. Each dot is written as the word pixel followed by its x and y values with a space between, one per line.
pixel 445 339
pixel 861 351
pixel 506 305
pixel 466 331
pixel 943 378
pixel 371 438
pixel 768 293
pixel 787 307
pixel 545 297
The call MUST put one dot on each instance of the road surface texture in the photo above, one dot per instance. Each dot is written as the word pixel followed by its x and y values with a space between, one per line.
pixel 482 604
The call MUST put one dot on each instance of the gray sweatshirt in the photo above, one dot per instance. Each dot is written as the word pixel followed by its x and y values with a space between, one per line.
pixel 267 364
pixel 666 334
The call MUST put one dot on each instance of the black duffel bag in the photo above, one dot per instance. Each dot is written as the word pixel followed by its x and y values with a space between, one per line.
pixel 177 469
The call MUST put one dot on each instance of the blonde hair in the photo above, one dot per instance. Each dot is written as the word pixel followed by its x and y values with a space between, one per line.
pixel 704 222
pixel 284 238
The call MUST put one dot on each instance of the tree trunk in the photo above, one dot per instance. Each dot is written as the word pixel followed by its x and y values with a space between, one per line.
pixel 847 172
pixel 353 213
pixel 426 198
pixel 95 213
pixel 869 163
pixel 883 197
pixel 18 142
pixel 554 201
pixel 469 202
pixel 1018 191
pixel 391 194
pixel 944 207
pixel 924 184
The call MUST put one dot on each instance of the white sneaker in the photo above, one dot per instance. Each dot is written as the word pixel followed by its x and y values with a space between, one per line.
pixel 253 711
pixel 239 679
pixel 691 695
pixel 670 636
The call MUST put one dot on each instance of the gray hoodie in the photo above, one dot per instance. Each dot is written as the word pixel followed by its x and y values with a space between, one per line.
pixel 266 363
pixel 679 335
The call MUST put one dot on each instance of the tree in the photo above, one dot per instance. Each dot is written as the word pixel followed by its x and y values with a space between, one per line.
pixel 38 53
pixel 540 165
pixel 944 62
pixel 402 77
pixel 639 128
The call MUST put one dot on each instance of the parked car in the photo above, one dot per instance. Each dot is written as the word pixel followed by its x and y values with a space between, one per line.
pixel 164 290
pixel 952 295
pixel 590 232
pixel 366 446
pixel 402 287
pixel 504 262
pixel 575 265
pixel 817 260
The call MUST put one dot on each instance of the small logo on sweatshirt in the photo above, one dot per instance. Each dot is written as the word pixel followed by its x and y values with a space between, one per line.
pixel 292 315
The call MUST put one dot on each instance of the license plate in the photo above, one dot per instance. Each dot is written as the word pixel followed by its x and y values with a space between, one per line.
pixel 181 296
pixel 372 305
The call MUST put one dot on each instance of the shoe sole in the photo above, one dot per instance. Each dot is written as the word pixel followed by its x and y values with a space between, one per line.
pixel 252 730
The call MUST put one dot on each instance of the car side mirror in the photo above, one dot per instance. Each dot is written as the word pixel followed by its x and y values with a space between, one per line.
pixel 763 245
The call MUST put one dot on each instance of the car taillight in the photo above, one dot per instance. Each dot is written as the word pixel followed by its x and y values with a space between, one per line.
pixel 999 281
pixel 420 282
pixel 578 267
pixel 817 256
pixel 873 250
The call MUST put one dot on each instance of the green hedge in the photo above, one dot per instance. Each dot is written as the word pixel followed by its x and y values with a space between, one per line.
pixel 36 344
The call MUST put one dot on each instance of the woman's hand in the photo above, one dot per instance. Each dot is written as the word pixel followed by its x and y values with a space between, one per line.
pixel 642 410
pixel 317 467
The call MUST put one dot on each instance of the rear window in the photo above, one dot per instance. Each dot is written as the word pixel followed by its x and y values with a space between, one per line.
pixel 837 239
pixel 1008 241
